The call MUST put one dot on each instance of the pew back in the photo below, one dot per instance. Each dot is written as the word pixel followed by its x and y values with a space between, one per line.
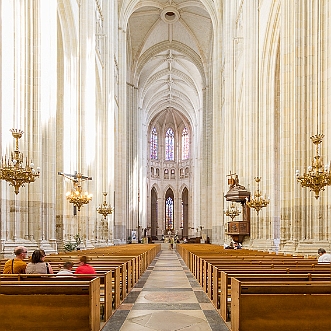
pixel 273 306
pixel 52 305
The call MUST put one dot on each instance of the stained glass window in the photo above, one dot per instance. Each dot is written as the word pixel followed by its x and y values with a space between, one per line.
pixel 169 145
pixel 154 145
pixel 169 213
pixel 185 144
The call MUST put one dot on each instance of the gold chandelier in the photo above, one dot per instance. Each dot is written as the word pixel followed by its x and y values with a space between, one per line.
pixel 258 202
pixel 232 211
pixel 76 196
pixel 12 169
pixel 104 209
pixel 318 176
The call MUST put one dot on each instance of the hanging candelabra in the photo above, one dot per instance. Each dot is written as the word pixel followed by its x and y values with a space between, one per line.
pixel 232 211
pixel 104 209
pixel 76 196
pixel 318 175
pixel 258 202
pixel 12 169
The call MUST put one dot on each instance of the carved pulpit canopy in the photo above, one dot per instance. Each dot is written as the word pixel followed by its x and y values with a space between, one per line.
pixel 237 192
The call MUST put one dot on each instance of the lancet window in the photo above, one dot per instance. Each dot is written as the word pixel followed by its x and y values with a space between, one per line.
pixel 170 145
pixel 154 144
pixel 185 144
pixel 169 213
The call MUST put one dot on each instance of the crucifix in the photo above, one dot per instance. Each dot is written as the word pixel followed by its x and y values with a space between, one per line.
pixel 76 196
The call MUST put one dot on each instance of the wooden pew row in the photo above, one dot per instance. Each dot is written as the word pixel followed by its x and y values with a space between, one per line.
pixel 212 284
pixel 143 255
pixel 225 285
pixel 207 266
pixel 126 269
pixel 185 250
pixel 198 264
pixel 131 262
pixel 203 270
pixel 113 283
pixel 122 278
pixel 199 249
pixel 129 269
pixel 108 286
pixel 55 305
pixel 289 306
pixel 147 251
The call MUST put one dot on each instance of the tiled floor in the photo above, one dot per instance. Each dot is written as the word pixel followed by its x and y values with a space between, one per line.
pixel 166 298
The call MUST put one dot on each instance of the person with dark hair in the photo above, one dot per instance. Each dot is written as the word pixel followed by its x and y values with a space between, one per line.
pixel 84 267
pixel 66 270
pixel 16 265
pixel 38 264
pixel 324 257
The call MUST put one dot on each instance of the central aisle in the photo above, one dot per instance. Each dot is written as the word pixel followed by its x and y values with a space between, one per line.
pixel 168 298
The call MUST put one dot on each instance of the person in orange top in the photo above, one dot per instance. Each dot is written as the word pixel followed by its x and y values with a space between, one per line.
pixel 84 268
pixel 16 265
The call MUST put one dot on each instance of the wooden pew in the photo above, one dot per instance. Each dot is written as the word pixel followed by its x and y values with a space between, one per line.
pixel 215 277
pixel 109 286
pixel 126 264
pixel 122 275
pixel 50 305
pixel 225 286
pixel 289 306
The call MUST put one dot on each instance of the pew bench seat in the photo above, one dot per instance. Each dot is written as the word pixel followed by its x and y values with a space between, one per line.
pixel 50 305
pixel 289 306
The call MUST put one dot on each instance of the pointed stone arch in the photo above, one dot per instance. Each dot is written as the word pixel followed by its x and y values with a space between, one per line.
pixel 185 211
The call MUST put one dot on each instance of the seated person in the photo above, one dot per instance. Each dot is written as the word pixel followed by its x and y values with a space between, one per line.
pixel 231 246
pixel 38 264
pixel 324 257
pixel 84 267
pixel 66 270
pixel 16 265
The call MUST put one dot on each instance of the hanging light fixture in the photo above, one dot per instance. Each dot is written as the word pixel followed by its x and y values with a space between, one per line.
pixel 232 211
pixel 13 171
pixel 76 196
pixel 104 209
pixel 318 175
pixel 258 202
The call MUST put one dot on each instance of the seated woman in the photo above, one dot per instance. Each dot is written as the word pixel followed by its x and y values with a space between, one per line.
pixel 38 264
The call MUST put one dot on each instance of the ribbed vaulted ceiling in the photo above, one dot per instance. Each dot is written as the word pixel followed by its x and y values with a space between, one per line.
pixel 170 45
